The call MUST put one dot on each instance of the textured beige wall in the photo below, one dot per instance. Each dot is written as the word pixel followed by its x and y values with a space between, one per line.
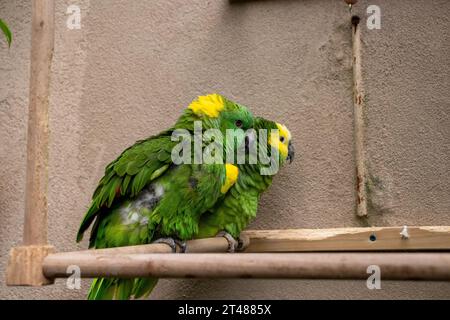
pixel 134 65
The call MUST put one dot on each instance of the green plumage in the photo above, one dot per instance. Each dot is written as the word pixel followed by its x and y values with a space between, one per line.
pixel 238 208
pixel 144 196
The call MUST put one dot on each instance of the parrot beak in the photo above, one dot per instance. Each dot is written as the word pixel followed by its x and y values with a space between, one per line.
pixel 291 152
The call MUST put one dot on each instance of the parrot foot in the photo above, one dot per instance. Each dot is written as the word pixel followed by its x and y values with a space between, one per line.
pixel 233 244
pixel 173 244
pixel 182 245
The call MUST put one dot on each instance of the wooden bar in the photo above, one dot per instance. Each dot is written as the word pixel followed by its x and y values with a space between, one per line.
pixel 359 126
pixel 393 266
pixel 25 262
pixel 349 239
pixel 216 244
pixel 42 39
pixel 308 240
pixel 25 266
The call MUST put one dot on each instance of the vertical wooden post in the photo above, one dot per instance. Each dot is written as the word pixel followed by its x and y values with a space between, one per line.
pixel 25 262
pixel 35 227
pixel 358 107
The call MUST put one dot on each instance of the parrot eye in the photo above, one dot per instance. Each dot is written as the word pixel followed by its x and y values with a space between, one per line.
pixel 282 139
pixel 238 123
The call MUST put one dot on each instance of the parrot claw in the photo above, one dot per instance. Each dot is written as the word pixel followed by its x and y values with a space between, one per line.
pixel 233 244
pixel 169 241
pixel 182 245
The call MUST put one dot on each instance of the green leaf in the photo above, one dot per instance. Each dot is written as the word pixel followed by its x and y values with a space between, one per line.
pixel 6 31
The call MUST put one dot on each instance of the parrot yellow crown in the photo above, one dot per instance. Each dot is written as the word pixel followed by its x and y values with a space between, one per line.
pixel 210 105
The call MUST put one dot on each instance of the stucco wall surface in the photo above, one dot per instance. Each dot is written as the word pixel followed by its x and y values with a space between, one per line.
pixel 133 66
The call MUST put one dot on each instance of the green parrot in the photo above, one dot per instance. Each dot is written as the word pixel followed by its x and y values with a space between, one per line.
pixel 238 207
pixel 145 196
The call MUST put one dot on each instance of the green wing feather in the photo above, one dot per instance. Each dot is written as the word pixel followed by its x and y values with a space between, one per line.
pixel 175 214
pixel 129 173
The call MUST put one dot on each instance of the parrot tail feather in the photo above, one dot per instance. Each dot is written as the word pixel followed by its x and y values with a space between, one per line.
pixel 121 289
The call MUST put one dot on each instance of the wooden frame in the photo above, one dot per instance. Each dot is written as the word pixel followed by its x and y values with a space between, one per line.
pixel 259 260
pixel 264 251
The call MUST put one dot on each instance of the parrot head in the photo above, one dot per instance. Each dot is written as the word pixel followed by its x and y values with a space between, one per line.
pixel 283 142
pixel 278 138
pixel 217 112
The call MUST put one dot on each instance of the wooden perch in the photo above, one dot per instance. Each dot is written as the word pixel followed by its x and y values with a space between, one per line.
pixel 349 239
pixel 395 266
pixel 216 244
pixel 126 261
pixel 308 240
pixel 146 260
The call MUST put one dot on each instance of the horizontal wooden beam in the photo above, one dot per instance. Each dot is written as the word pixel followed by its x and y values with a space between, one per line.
pixel 309 240
pixel 216 244
pixel 394 266
pixel 350 239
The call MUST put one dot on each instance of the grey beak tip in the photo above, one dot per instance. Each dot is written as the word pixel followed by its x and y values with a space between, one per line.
pixel 291 152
